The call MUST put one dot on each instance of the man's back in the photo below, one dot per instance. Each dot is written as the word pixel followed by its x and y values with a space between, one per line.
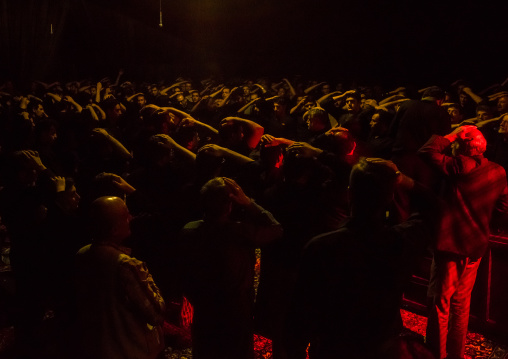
pixel 473 188
pixel 415 122
pixel 108 322
pixel 350 287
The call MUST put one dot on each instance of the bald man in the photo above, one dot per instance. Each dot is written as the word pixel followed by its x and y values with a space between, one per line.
pixel 119 307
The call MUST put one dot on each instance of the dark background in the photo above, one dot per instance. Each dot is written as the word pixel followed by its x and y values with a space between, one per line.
pixel 387 42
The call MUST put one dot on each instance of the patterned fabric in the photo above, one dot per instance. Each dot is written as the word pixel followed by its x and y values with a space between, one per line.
pixel 140 289
pixel 119 307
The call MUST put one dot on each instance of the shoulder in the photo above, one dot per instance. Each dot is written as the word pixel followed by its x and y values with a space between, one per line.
pixel 192 225
pixel 329 240
pixel 84 250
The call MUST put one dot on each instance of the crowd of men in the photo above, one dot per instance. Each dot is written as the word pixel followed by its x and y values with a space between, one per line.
pixel 122 198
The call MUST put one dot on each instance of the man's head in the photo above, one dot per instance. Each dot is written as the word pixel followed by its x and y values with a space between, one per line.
pixel 141 100
pixel 455 113
pixel 195 96
pixel 464 99
pixel 180 98
pixel 469 142
pixel 215 196
pixel 186 87
pixel 353 102
pixel 112 108
pixel 317 119
pixel 46 132
pixel 371 186
pixel 231 133
pixel 503 126
pixel 502 104
pixel 341 142
pixel 154 90
pixel 326 89
pixel 37 110
pixel 435 94
pixel 225 92
pixel 69 198
pixel 483 112
pixel 110 220
pixel 380 122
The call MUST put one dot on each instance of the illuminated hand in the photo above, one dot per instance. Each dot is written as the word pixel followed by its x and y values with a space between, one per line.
pixel 304 150
pixel 121 184
pixel 59 183
pixel 213 149
pixel 236 193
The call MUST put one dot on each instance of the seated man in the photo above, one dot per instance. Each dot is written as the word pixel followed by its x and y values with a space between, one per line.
pixel 119 307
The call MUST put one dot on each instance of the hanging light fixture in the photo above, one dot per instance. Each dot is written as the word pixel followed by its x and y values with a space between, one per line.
pixel 160 13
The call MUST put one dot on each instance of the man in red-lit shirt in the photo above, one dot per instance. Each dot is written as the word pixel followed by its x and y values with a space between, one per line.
pixel 475 189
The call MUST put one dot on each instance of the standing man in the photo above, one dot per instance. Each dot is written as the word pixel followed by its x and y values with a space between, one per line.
pixel 217 257
pixel 347 297
pixel 474 190
pixel 119 307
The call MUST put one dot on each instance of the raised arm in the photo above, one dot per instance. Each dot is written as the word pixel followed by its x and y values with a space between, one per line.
pixel 298 106
pixel 327 97
pixel 118 147
pixel 246 106
pixel 252 131
pixel 292 90
pixel 101 112
pixel 313 87
pixel 74 104
pixel 473 96
pixel 262 227
pixel 186 155
pixel 219 151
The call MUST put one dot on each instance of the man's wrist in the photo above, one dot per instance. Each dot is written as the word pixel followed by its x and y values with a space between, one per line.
pixel 451 137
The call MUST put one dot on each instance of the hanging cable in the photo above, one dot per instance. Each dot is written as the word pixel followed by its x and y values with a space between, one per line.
pixel 160 13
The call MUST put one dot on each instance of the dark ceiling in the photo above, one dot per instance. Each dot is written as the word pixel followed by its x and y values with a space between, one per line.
pixel 367 41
